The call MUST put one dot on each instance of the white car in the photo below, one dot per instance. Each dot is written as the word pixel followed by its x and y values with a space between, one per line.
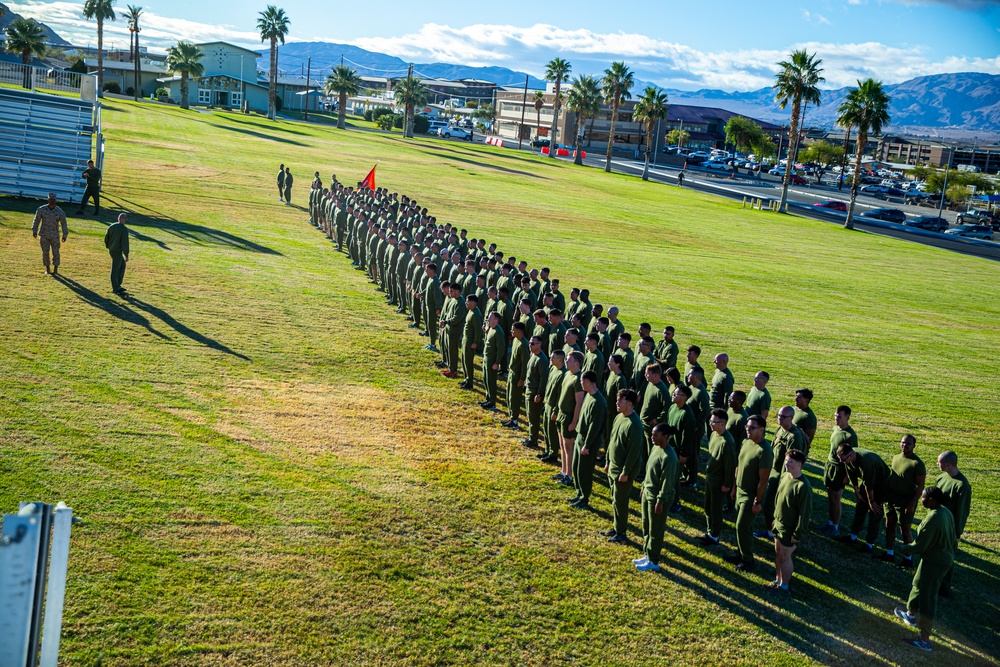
pixel 715 164
pixel 873 189
pixel 452 131
pixel 777 171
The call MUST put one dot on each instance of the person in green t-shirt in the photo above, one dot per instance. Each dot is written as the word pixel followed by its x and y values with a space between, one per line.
pixel 804 417
pixel 701 406
pixel 834 474
pixel 935 544
pixel 589 438
pixel 791 517
pixel 657 497
pixel 691 359
pixel 624 452
pixel 568 416
pixel 907 476
pixel 722 381
pixel 614 383
pixel 958 500
pixel 737 416
pixel 720 471
pixel 869 475
pixel 472 339
pixel 536 378
pixel 517 374
pixel 786 438
pixel 666 349
pixel 553 385
pixel 759 398
pixel 753 464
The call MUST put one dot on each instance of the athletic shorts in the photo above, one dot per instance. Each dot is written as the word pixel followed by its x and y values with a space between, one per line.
pixel 564 428
pixel 897 503
pixel 785 539
pixel 833 477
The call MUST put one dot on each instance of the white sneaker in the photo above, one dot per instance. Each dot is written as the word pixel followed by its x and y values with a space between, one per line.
pixel 641 561
pixel 648 567
pixel 906 617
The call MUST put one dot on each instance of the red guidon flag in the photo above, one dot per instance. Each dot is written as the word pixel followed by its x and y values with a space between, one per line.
pixel 369 181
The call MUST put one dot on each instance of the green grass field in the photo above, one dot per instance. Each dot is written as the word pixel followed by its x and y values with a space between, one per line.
pixel 270 471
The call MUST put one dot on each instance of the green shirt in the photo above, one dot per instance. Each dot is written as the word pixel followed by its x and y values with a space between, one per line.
pixel 784 441
pixel 557 337
pixel 536 376
pixel 701 407
pixel 567 395
pixel 935 539
pixel 792 505
pixel 655 404
pixel 868 470
pixel 753 458
pixel 667 353
pixel 518 367
pixel 662 470
pixel 685 438
pixel 625 446
pixel 628 363
pixel 959 493
pixel 591 425
pixel 722 387
pixel 639 371
pixel 736 424
pixel 758 400
pixel 904 471
pixel 553 385
pixel 116 239
pixel 615 383
pixel 838 436
pixel 473 332
pixel 594 361
pixel 721 464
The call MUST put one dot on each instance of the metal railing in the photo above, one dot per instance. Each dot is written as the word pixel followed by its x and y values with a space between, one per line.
pixel 40 79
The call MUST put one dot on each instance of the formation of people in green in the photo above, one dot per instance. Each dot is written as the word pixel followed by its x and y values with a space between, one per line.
pixel 594 405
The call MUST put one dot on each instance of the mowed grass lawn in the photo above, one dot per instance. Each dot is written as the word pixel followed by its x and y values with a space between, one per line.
pixel 270 471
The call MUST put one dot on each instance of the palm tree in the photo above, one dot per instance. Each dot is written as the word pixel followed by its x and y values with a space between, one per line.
pixel 27 38
pixel 346 83
pixel 272 24
pixel 650 109
pixel 185 59
pixel 797 81
pixel 133 14
pixel 865 108
pixel 101 11
pixel 539 101
pixel 678 137
pixel 585 99
pixel 411 93
pixel 556 70
pixel 486 113
pixel 617 85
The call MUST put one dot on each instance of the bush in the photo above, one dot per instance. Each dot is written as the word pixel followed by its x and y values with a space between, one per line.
pixel 385 121
pixel 112 87
pixel 130 91
pixel 368 115
pixel 379 112
pixel 277 104
pixel 80 67
pixel 421 124
pixel 162 92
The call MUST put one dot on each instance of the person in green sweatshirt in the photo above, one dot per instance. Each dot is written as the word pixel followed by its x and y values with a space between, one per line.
pixel 786 438
pixel 657 497
pixel 536 379
pixel 624 452
pixel 494 349
pixel 589 438
pixel 907 477
pixel 656 403
pixel 116 241
pixel 753 465
pixel 869 475
pixel 553 386
pixel 720 470
pixel 472 339
pixel 516 375
pixel 792 504
pixel 958 500
pixel 568 416
pixel 935 544
pixel 666 349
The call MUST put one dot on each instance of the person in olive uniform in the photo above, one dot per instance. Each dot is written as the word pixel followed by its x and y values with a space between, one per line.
pixel 281 182
pixel 589 438
pixel 759 398
pixel 786 438
pixel 495 347
pixel 657 497
pixel 116 241
pixel 804 417
pixel 624 453
pixel 869 475
pixel 793 502
pixel 568 417
pixel 935 544
pixel 907 476
pixel 720 470
pixel 516 374
pixel 666 349
pixel 93 177
pixel 553 387
pixel 288 186
pixel 45 228
pixel 536 379
pixel 752 468
pixel 835 475
pixel 958 500
pixel 722 381
pixel 472 339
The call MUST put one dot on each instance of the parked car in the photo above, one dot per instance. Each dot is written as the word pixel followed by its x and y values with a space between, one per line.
pixel 795 179
pixel 978 216
pixel 894 192
pixel 540 143
pixel 776 171
pixel 887 214
pixel 715 164
pixel 832 204
pixel 452 131
pixel 931 223
pixel 984 232
pixel 436 125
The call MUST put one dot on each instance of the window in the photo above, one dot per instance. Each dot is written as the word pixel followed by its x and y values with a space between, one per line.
pixel 235 99
pixel 204 96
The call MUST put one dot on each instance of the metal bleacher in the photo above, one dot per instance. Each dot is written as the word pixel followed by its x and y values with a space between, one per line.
pixel 45 142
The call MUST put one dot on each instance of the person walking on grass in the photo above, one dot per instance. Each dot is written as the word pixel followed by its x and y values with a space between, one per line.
pixel 116 241
pixel 281 182
pixel 45 228
pixel 288 186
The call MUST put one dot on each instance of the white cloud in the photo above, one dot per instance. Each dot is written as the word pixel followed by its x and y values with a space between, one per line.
pixel 814 18
pixel 665 63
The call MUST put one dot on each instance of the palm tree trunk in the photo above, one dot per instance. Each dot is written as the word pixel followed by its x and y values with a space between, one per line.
pixel 649 140
pixel 408 122
pixel 100 57
pixel 538 121
pixel 580 119
pixel 272 84
pixel 138 67
pixel 611 134
pixel 862 140
pixel 793 129
pixel 26 77
pixel 555 120
pixel 185 91
pixel 342 115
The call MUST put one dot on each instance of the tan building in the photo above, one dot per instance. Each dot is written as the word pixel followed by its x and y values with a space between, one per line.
pixel 913 151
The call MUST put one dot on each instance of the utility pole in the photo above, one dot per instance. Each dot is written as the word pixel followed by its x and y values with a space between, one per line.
pixel 524 106
pixel 309 65
pixel 407 132
pixel 944 188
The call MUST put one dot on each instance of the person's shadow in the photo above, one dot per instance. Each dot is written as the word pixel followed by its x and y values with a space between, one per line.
pixel 168 319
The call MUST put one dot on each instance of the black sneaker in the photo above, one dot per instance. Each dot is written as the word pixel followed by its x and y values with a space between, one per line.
pixel 885 557
pixel 580 505
pixel 746 566
pixel 708 541
pixel 530 444
pixel 864 548
pixel 907 564
pixel 733 558
pixel 617 538
pixel 608 533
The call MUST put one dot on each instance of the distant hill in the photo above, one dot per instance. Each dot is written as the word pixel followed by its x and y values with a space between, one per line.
pixel 50 35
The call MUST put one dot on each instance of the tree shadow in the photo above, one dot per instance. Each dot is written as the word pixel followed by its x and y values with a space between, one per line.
pixel 109 306
pixel 477 163
pixel 168 319
pixel 198 234
pixel 240 130
pixel 231 117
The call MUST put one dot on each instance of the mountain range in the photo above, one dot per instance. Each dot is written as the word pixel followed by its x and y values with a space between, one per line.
pixel 7 16
pixel 960 105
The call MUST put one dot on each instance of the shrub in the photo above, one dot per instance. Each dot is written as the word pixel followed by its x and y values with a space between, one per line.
pixel 277 104
pixel 162 92
pixel 80 67
pixel 385 121
pixel 112 87
pixel 368 115
pixel 397 120
pixel 421 124
pixel 130 91
pixel 379 112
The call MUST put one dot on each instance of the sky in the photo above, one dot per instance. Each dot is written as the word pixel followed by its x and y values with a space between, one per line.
pixel 731 45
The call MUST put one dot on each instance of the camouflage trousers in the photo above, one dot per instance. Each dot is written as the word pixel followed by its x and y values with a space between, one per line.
pixel 49 242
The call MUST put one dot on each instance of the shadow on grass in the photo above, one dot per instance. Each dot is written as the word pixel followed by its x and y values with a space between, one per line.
pixel 486 165
pixel 245 121
pixel 168 319
pixel 109 306
pixel 240 130
pixel 198 234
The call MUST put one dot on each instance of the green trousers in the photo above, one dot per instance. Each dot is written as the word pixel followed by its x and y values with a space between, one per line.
pixel 551 431
pixel 744 529
pixel 770 494
pixel 431 320
pixel 490 380
pixel 862 512
pixel 535 412
pixel 454 339
pixel 417 308
pixel 468 364
pixel 689 472
pixel 620 492
pixel 515 399
pixel 924 591
pixel 653 527
pixel 714 498
pixel 583 472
